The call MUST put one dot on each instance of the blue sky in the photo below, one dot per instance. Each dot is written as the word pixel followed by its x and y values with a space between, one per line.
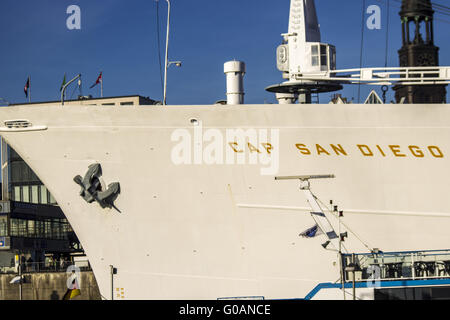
pixel 119 38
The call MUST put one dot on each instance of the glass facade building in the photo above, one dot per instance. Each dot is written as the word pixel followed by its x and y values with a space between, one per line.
pixel 25 185
pixel 33 225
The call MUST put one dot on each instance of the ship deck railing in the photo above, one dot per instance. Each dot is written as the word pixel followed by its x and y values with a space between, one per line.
pixel 391 266
pixel 46 267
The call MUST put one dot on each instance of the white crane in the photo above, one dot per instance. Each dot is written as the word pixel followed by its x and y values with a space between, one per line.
pixel 310 65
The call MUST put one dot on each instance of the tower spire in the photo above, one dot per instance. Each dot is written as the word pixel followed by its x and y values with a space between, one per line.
pixel 418 49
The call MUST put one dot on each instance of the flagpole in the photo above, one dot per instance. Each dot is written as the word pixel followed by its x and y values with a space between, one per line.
pixel 101 87
pixel 29 89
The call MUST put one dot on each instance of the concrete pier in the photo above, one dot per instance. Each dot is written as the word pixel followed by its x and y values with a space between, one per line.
pixel 47 286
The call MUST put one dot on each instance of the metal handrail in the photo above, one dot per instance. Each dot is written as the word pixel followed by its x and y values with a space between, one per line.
pixel 46 267
pixel 381 76
pixel 409 265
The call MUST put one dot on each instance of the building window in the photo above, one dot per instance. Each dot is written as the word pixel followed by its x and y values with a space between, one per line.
pixel 16 195
pixel 18 228
pixel 44 197
pixel 128 103
pixel 3 227
pixel 47 229
pixel 31 229
pixel 34 194
pixel 40 229
pixel 25 194
pixel 52 200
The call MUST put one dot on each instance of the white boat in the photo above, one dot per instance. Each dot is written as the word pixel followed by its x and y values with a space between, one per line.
pixel 186 219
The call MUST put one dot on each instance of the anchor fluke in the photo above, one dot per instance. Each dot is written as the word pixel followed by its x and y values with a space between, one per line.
pixel 91 188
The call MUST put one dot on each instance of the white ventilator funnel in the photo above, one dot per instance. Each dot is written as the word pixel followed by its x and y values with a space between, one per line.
pixel 286 98
pixel 235 71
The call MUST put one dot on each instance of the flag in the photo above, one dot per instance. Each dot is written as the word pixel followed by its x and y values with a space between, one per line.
pixel 63 83
pixel 73 292
pixel 99 79
pixel 311 232
pixel 27 86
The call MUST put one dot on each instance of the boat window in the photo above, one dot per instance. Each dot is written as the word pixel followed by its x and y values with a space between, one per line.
pixel 323 55
pixel 130 103
pixel 334 59
pixel 314 55
pixel 108 104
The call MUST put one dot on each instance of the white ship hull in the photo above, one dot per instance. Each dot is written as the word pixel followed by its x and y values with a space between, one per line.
pixel 208 231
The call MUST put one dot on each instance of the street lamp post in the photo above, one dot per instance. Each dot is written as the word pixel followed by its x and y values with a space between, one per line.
pixel 167 62
pixel 113 272
pixel 63 90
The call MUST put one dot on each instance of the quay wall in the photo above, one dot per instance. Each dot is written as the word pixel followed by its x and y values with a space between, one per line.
pixel 47 286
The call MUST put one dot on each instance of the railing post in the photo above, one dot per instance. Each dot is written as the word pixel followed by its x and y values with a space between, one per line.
pixel 113 271
pixel 354 284
pixel 20 278
pixel 412 267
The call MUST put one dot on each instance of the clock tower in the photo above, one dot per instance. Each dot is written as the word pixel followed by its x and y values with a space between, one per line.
pixel 418 50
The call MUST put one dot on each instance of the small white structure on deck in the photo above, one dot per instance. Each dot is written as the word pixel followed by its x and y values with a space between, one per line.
pixel 235 71
pixel 286 98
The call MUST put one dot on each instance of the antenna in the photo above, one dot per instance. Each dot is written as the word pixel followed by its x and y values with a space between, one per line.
pixel 304 180
pixel 321 219
pixel 307 177
pixel 317 213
